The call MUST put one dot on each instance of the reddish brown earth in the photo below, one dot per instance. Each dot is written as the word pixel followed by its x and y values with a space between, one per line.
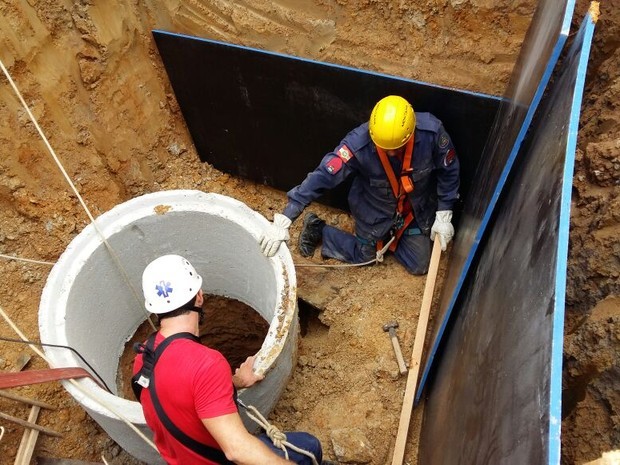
pixel 91 74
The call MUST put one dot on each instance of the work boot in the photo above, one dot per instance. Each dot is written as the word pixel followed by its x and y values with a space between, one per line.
pixel 311 234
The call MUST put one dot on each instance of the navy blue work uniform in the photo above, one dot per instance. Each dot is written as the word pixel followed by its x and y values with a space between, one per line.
pixel 435 176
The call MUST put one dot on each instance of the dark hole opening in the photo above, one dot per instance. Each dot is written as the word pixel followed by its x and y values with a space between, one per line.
pixel 230 326
pixel 309 322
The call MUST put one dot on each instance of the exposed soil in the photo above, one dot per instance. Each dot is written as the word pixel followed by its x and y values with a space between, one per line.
pixel 91 74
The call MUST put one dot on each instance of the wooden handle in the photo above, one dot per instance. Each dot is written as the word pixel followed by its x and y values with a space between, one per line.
pixel 414 367
pixel 402 367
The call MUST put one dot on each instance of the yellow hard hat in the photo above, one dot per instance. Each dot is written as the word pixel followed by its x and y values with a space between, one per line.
pixel 392 122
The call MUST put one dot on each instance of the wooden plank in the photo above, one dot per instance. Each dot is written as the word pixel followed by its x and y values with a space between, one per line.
pixel 52 461
pixel 27 424
pixel 416 356
pixel 25 378
pixel 29 439
pixel 26 400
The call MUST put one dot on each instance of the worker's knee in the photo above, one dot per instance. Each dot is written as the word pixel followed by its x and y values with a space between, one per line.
pixel 415 265
pixel 417 270
pixel 414 252
pixel 301 440
pixel 307 442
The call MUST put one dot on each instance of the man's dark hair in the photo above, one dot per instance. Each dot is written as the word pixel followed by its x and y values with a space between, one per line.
pixel 182 310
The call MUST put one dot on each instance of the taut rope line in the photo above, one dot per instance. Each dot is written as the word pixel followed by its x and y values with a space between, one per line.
pixel 377 259
pixel 19 259
pixel 75 191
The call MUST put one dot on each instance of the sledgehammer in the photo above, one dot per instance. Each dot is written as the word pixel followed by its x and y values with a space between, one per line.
pixel 391 328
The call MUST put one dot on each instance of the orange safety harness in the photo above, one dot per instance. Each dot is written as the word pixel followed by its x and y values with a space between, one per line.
pixel 404 211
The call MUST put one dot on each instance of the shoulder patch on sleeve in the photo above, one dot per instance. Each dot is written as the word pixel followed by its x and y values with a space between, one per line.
pixel 449 157
pixel 444 140
pixel 345 153
pixel 334 165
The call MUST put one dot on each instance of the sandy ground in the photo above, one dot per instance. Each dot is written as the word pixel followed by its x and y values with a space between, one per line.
pixel 92 76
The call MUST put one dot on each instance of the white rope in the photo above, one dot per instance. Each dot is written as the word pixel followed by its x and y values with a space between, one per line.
pixel 108 247
pixel 28 260
pixel 75 191
pixel 277 437
pixel 378 259
pixel 1 432
pixel 47 144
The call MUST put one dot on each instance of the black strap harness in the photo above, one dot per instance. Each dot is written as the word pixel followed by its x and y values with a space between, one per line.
pixel 145 378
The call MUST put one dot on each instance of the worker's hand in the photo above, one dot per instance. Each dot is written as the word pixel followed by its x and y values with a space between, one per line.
pixel 442 228
pixel 244 376
pixel 275 234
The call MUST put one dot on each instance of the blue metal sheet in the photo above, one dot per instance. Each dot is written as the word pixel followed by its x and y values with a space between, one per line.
pixel 541 48
pixel 496 394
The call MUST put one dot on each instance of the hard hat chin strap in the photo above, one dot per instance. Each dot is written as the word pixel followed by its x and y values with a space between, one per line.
pixel 191 305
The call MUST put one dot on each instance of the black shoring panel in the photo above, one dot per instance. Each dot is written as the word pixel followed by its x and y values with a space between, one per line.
pixel 271 118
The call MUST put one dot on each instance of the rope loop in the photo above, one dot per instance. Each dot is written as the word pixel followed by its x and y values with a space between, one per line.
pixel 277 437
pixel 378 259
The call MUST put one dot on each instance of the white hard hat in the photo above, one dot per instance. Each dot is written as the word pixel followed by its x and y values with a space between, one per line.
pixel 169 282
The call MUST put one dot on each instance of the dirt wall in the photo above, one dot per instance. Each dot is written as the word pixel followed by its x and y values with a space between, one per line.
pixel 91 74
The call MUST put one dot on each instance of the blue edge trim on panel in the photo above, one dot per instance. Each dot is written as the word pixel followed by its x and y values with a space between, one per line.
pixel 331 65
pixel 557 344
pixel 502 180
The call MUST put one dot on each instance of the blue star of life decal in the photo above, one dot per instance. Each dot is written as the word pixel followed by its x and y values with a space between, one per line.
pixel 163 289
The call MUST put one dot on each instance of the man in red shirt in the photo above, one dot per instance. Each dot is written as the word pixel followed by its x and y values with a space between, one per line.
pixel 186 389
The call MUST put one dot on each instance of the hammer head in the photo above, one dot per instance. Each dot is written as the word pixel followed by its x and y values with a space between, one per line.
pixel 390 325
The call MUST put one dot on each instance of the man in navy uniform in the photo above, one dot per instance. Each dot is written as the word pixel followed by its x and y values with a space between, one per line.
pixel 405 183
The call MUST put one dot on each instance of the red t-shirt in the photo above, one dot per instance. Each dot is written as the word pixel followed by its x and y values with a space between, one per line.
pixel 193 382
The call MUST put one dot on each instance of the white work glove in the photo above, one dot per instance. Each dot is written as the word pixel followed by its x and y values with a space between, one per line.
pixel 274 235
pixel 442 228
